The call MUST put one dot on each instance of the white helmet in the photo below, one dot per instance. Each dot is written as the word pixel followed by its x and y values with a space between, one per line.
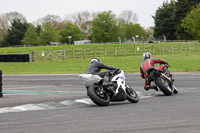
pixel 146 55
pixel 95 59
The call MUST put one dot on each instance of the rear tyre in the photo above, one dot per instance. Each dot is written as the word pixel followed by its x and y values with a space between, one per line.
pixel 131 95
pixel 97 96
pixel 164 86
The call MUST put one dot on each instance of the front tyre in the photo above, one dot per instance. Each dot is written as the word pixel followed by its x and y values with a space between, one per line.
pixel 164 86
pixel 97 96
pixel 131 95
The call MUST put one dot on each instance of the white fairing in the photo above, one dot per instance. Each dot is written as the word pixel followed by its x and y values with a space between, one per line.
pixel 120 78
pixel 89 79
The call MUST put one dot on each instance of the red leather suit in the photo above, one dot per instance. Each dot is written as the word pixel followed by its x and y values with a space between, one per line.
pixel 149 63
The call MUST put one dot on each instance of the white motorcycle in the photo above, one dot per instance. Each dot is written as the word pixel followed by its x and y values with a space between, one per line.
pixel 110 88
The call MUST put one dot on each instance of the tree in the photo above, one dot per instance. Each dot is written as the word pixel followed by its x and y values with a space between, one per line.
pixel 81 17
pixel 70 34
pixel 164 21
pixel 83 21
pixel 48 33
pixel 131 30
pixel 30 36
pixel 6 20
pixel 53 19
pixel 104 28
pixel 191 23
pixel 62 25
pixel 16 33
pixel 181 10
pixel 168 19
pixel 127 17
pixel 38 29
pixel 85 27
pixel 149 32
pixel 3 25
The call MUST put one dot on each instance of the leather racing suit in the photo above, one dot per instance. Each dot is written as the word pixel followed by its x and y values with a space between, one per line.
pixel 95 68
pixel 146 65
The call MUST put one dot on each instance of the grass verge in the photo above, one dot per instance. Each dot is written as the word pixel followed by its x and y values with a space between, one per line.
pixel 130 64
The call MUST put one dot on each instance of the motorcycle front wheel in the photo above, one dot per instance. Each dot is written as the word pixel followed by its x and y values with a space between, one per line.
pixel 131 95
pixel 99 97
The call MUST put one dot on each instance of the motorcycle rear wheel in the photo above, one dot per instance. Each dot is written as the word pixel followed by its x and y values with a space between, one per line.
pixel 99 98
pixel 164 86
pixel 131 95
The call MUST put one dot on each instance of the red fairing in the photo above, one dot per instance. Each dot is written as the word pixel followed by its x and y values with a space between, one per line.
pixel 160 67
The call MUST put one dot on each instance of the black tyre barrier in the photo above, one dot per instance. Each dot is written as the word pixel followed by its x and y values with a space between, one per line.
pixel 15 58
pixel 1 93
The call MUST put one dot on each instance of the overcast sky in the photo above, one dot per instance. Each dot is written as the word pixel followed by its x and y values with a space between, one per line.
pixel 35 9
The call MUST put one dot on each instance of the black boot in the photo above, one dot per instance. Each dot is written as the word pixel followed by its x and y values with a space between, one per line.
pixel 151 87
pixel 175 89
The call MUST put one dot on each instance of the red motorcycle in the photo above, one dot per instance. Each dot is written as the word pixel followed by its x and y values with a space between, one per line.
pixel 163 80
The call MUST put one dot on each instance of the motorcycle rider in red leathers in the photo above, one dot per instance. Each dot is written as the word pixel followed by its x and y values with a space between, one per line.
pixel 148 63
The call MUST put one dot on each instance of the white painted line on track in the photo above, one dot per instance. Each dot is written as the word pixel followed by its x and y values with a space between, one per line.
pixel 56 105
pixel 188 77
pixel 66 85
pixel 89 101
pixel 28 107
pixel 141 96
pixel 21 108
pixel 85 100
pixel 8 110
pixel 192 88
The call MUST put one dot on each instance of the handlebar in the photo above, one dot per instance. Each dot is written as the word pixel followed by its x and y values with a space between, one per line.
pixel 113 72
pixel 165 64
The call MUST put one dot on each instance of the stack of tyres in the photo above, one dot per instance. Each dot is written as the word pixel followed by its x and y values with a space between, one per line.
pixel 15 57
pixel 1 93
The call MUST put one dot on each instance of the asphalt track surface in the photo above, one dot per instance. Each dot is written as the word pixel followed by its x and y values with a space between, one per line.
pixel 154 113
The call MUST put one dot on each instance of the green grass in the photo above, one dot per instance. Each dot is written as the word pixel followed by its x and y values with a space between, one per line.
pixel 61 47
pixel 130 64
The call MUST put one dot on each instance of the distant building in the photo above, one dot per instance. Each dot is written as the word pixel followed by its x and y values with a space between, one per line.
pixel 82 42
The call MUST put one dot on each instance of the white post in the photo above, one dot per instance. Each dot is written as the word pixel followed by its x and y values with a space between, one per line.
pixel 133 39
pixel 69 39
pixel 137 37
pixel 165 39
pixel 120 41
